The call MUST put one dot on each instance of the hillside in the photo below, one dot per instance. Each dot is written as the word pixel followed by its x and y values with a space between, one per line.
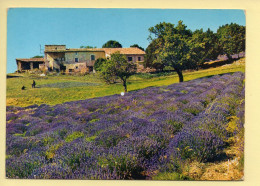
pixel 180 131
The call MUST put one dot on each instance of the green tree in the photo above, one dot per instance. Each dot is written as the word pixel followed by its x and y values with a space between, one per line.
pixel 136 45
pixel 38 56
pixel 107 72
pixel 98 64
pixel 119 67
pixel 231 39
pixel 203 46
pixel 87 46
pixel 150 58
pixel 112 44
pixel 173 46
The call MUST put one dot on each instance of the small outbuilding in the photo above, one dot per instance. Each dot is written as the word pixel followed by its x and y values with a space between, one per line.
pixel 28 64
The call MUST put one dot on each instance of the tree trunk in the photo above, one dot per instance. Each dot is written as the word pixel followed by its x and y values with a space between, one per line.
pixel 124 84
pixel 179 72
pixel 229 57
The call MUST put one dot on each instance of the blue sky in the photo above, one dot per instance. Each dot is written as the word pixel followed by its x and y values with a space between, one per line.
pixel 28 28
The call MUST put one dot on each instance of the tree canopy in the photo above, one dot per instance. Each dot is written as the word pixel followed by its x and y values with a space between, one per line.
pixel 180 48
pixel 118 67
pixel 231 38
pixel 172 46
pixel 112 44
pixel 204 46
pixel 136 45
pixel 87 46
pixel 98 64
pixel 38 56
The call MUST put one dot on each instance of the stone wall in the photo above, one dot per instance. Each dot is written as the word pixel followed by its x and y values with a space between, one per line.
pixel 54 59
pixel 83 56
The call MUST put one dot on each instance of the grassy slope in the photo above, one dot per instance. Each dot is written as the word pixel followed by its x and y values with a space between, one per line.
pixel 52 96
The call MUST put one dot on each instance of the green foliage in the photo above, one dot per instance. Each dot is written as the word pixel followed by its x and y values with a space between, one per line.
pixel 118 67
pixel 150 56
pixel 51 151
pixel 177 125
pixel 73 136
pixel 20 134
pixel 231 38
pixel 232 124
pixel 87 46
pixel 48 140
pixel 136 45
pixel 112 44
pixel 173 46
pixel 108 72
pixel 180 48
pixel 170 176
pixel 93 120
pixel 38 56
pixel 204 46
pixel 98 63
pixel 92 138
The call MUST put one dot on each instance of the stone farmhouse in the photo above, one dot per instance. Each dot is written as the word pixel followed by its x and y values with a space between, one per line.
pixel 59 58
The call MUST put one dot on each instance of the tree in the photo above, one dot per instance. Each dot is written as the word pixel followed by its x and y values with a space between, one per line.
pixel 231 39
pixel 112 44
pixel 173 46
pixel 87 46
pixel 150 59
pixel 37 56
pixel 203 46
pixel 137 46
pixel 119 67
pixel 98 64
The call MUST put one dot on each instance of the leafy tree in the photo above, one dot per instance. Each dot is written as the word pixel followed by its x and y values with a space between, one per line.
pixel 231 39
pixel 150 57
pixel 136 45
pixel 87 46
pixel 98 63
pixel 203 46
pixel 173 46
pixel 108 72
pixel 112 44
pixel 38 56
pixel 119 67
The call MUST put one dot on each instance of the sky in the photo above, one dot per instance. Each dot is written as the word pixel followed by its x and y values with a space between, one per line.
pixel 28 28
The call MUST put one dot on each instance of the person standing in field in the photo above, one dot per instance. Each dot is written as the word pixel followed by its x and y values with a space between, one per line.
pixel 34 83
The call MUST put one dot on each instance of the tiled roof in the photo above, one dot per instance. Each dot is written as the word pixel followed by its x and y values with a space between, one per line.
pixel 76 50
pixel 30 59
pixel 132 50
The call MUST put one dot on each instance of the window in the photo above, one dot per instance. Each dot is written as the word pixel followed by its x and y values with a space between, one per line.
pixel 76 59
pixel 92 57
pixel 130 58
pixel 76 53
pixel 139 58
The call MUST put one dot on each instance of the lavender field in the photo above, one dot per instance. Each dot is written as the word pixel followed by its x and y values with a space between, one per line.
pixel 137 136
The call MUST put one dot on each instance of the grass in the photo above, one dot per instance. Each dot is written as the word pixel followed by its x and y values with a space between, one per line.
pixel 171 176
pixel 63 88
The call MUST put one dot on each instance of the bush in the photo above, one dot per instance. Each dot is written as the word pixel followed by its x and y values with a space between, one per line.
pixel 98 64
